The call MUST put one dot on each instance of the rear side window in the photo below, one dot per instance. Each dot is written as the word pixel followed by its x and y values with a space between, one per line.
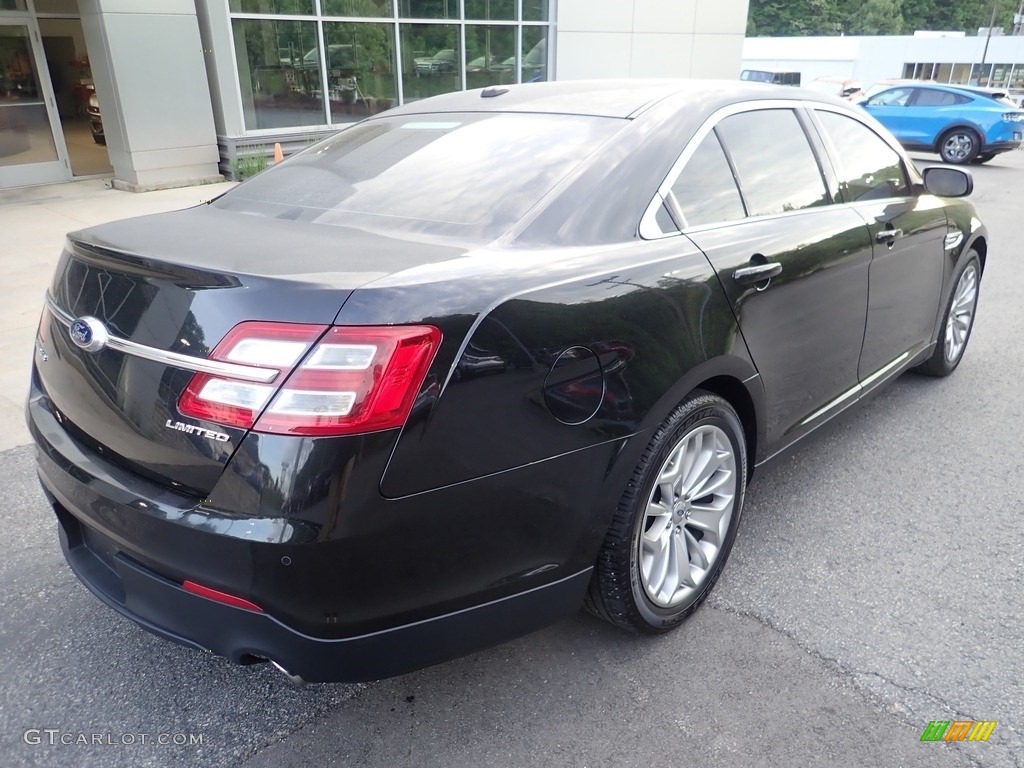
pixel 775 165
pixel 466 175
pixel 868 168
pixel 706 189
pixel 929 97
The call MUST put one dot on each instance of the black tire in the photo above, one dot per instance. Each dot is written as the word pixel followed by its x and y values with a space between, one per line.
pixel 984 158
pixel 618 591
pixel 959 146
pixel 944 360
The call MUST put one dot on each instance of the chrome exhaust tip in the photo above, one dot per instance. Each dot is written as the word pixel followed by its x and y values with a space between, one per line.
pixel 294 678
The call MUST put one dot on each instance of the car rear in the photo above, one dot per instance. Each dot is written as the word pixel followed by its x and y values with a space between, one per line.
pixel 213 419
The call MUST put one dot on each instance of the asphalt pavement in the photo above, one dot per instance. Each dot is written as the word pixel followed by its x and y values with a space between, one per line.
pixel 875 586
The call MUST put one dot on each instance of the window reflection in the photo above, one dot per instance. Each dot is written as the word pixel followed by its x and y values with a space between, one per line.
pixel 360 69
pixel 784 178
pixel 431 60
pixel 356 7
pixel 535 54
pixel 279 70
pixel 504 10
pixel 293 7
pixel 535 10
pixel 25 135
pixel 490 55
pixel 870 168
pixel 706 190
pixel 428 9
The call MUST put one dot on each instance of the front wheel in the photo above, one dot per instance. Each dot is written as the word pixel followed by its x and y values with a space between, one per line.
pixel 959 146
pixel 958 321
pixel 676 521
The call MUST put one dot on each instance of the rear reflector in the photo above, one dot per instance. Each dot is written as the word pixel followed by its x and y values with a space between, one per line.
pixel 221 597
pixel 333 380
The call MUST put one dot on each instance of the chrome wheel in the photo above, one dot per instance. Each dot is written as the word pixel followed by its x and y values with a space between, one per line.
pixel 958 147
pixel 961 313
pixel 687 516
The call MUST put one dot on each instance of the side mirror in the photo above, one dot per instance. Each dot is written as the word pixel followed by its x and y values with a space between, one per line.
pixel 948 182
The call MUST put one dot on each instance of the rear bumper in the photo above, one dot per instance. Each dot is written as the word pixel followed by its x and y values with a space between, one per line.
pixel 132 543
pixel 164 608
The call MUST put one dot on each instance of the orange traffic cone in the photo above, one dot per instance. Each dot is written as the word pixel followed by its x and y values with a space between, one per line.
pixel 278 153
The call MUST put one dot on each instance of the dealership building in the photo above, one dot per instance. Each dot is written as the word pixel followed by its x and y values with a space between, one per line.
pixel 158 93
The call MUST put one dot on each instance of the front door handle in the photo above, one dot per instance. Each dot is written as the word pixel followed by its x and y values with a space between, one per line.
pixel 887 235
pixel 757 273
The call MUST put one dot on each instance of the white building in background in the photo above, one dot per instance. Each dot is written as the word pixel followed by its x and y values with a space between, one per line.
pixel 948 57
pixel 184 85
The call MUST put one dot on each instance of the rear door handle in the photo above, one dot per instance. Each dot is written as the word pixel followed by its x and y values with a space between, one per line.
pixel 887 235
pixel 757 273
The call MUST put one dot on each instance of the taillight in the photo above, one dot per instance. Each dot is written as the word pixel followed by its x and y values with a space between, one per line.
pixel 355 379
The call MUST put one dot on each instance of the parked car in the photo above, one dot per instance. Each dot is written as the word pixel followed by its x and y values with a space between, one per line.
pixel 775 77
pixel 843 87
pixel 373 409
pixel 442 62
pixel 960 123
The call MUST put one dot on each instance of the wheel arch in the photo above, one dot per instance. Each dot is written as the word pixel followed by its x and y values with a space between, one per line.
pixel 941 135
pixel 734 392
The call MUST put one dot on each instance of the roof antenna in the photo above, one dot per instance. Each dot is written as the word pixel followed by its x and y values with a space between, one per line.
pixel 490 93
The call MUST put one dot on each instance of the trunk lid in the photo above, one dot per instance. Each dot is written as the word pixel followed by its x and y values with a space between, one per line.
pixel 177 283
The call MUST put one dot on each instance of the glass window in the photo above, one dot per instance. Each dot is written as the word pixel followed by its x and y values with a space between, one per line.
pixel 503 10
pixel 535 54
pixel 894 97
pixel 400 173
pixel 278 72
pixel 536 10
pixel 706 189
pixel 943 72
pixel 360 69
pixel 929 97
pixel 25 135
pixel 490 55
pixel 430 54
pixel 961 74
pixel 908 71
pixel 294 7
pixel 356 7
pixel 869 169
pixel 428 9
pixel 778 175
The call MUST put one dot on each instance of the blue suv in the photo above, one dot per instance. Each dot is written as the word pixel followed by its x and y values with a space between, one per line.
pixel 960 123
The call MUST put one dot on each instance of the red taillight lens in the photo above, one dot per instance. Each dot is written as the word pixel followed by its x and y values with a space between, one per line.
pixel 356 379
pixel 237 403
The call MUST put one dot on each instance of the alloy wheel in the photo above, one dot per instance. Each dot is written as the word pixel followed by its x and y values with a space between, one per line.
pixel 961 312
pixel 687 516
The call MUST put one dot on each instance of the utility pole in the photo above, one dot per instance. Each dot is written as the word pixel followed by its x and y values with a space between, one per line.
pixel 988 38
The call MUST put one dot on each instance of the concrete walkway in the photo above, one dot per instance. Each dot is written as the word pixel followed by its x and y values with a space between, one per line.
pixel 33 223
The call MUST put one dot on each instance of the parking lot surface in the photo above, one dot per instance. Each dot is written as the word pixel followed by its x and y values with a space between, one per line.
pixel 875 586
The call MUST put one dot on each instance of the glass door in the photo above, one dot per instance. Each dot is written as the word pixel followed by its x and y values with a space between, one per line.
pixel 29 153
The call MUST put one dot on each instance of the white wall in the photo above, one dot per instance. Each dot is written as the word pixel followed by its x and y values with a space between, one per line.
pixel 649 38
pixel 871 59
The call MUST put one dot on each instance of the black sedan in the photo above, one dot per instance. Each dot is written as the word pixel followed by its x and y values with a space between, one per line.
pixel 449 374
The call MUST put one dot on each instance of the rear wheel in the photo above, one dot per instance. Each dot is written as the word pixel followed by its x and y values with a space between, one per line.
pixel 959 146
pixel 676 521
pixel 958 321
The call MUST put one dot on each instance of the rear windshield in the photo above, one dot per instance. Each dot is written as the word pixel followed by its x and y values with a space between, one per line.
pixel 463 175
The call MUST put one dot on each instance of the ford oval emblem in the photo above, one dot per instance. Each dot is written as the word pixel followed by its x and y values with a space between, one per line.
pixel 88 333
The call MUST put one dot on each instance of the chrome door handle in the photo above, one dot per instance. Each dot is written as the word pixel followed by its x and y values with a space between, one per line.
pixel 887 235
pixel 757 273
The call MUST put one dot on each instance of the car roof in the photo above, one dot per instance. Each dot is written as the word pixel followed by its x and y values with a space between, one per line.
pixel 600 98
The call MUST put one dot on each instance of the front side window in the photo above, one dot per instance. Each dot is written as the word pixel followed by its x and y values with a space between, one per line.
pixel 775 166
pixel 706 190
pixel 868 168
pixel 894 97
